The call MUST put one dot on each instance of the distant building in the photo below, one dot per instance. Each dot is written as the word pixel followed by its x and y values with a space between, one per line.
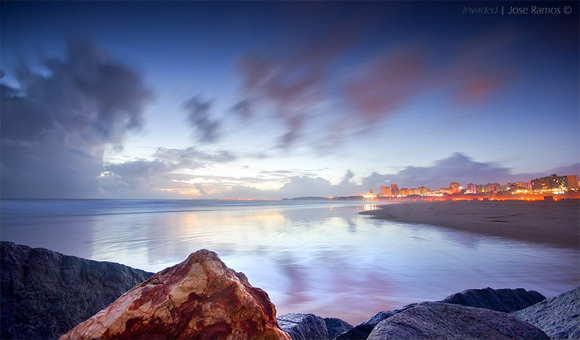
pixel 385 190
pixel 555 182
pixel 404 192
pixel 492 187
pixel 520 185
pixel 471 188
pixel 394 190
pixel 370 194
pixel 454 187
pixel 423 191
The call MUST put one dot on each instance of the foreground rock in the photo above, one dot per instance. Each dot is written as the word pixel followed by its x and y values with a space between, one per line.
pixel 336 327
pixel 45 293
pixel 503 300
pixel 362 331
pixel 559 317
pixel 304 326
pixel 437 320
pixel 200 298
pixel 312 327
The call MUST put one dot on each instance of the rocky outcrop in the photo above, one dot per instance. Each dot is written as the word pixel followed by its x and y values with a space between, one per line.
pixel 502 300
pixel 437 320
pixel 336 327
pixel 559 317
pixel 309 326
pixel 200 298
pixel 304 326
pixel 362 331
pixel 45 293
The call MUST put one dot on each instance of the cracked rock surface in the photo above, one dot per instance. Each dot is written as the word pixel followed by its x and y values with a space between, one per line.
pixel 199 298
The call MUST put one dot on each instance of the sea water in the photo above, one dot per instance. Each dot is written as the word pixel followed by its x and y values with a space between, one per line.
pixel 320 257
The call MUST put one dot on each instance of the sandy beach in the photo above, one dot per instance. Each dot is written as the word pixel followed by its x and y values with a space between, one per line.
pixel 551 223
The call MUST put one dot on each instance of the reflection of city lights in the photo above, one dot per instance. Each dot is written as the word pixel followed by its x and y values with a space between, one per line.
pixel 369 207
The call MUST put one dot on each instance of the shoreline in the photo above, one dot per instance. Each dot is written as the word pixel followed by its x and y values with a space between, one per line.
pixel 556 224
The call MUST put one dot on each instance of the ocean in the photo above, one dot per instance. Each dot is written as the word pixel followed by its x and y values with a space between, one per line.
pixel 319 257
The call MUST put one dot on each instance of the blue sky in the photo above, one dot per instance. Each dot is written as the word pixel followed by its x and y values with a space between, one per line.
pixel 282 99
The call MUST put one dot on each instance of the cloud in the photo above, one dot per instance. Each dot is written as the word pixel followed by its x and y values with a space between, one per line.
pixel 55 124
pixel 191 157
pixel 384 84
pixel 136 176
pixel 481 67
pixel 291 89
pixel 199 116
pixel 457 167
pixel 338 86
pixel 293 81
pixel 163 173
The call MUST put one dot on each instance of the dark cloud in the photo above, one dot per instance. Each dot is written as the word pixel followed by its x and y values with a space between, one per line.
pixel 293 82
pixel 322 100
pixel 55 124
pixel 199 116
pixel 292 89
pixel 482 65
pixel 384 84
pixel 243 108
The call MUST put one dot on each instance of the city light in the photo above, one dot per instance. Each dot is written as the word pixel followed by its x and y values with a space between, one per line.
pixel 537 189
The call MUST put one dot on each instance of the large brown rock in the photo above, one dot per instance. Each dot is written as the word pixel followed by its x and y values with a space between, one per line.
pixel 199 298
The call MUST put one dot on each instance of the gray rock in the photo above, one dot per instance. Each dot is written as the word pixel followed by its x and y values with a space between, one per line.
pixel 45 293
pixel 362 331
pixel 303 326
pixel 336 327
pixel 503 300
pixel 559 317
pixel 436 320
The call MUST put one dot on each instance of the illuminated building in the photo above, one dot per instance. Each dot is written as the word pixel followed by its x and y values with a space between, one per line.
pixel 555 183
pixel 520 186
pixel 394 190
pixel 454 187
pixel 404 192
pixel 423 191
pixel 385 190
pixel 471 188
pixel 492 187
pixel 370 194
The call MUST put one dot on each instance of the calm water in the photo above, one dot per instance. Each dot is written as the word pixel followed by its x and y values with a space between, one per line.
pixel 311 257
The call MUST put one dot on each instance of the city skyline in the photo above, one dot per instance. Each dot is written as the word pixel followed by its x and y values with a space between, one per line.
pixel 281 99
pixel 552 184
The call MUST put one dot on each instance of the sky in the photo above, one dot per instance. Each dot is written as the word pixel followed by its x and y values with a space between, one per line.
pixel 268 100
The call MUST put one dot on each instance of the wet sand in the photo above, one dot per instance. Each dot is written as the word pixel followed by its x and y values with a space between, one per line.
pixel 551 223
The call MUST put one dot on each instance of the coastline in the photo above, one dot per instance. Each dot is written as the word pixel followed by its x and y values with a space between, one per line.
pixel 556 224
